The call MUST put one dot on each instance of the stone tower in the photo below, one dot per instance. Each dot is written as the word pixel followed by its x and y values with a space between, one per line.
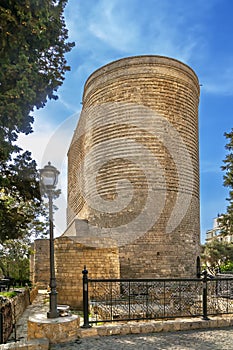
pixel 133 166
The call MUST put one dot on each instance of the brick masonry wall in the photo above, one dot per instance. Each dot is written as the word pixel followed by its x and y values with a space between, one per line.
pixel 70 258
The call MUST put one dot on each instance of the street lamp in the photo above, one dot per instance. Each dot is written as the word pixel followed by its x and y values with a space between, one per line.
pixel 48 180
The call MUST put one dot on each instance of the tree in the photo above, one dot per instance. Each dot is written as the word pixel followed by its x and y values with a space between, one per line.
pixel 226 220
pixel 20 202
pixel 217 254
pixel 14 258
pixel 32 60
pixel 32 48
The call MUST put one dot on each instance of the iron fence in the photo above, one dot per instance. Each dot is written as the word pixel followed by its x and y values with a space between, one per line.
pixel 111 300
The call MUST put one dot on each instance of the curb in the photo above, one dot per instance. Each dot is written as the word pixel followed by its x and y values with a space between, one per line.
pixel 155 326
pixel 35 344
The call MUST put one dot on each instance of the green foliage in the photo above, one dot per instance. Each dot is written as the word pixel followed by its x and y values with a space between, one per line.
pixel 20 203
pixel 8 294
pixel 32 48
pixel 226 220
pixel 216 254
pixel 227 267
pixel 32 60
pixel 14 258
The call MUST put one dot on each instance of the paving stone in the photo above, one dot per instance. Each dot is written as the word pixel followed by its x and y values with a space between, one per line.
pixel 214 339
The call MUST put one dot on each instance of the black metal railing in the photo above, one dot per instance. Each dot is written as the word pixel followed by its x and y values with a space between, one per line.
pixel 1 326
pixel 111 300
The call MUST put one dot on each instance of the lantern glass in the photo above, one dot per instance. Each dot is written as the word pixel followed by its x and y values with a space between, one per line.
pixel 49 176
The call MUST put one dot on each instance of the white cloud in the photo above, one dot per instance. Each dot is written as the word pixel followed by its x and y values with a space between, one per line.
pixel 50 142
pixel 220 80
pixel 210 167
pixel 108 29
pixel 113 24
pixel 37 141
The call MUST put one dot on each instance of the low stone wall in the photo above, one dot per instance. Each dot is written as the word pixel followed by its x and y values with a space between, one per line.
pixel 154 326
pixel 19 304
pixel 35 344
pixel 7 319
pixel 33 294
pixel 13 308
pixel 57 330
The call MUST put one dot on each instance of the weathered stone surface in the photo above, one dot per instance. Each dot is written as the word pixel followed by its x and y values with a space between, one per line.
pixel 70 258
pixel 125 329
pixel 155 326
pixel 168 326
pixel 13 308
pixel 117 100
pixel 101 331
pixel 33 344
pixel 135 328
pixel 57 330
pixel 146 328
pixel 89 332
pixel 33 294
pixel 40 263
pixel 113 330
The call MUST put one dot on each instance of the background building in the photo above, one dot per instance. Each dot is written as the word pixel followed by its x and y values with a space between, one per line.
pixel 215 233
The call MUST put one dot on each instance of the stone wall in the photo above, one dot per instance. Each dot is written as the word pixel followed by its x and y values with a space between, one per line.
pixel 39 263
pixel 7 319
pixel 62 330
pixel 139 123
pixel 13 308
pixel 70 258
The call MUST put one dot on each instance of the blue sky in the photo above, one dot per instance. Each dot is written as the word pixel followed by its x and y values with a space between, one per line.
pixel 197 32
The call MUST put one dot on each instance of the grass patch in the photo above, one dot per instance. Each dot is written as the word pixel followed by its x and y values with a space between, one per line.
pixel 8 294
pixel 76 312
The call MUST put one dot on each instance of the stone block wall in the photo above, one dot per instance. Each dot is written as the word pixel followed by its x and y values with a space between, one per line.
pixel 136 144
pixel 13 308
pixel 39 263
pixel 70 258
pixel 20 303
pixel 7 318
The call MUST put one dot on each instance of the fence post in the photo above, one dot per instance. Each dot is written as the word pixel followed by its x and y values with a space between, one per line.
pixel 204 296
pixel 1 327
pixel 198 267
pixel 85 299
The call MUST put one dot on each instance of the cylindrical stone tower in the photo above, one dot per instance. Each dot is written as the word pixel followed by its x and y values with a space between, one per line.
pixel 133 172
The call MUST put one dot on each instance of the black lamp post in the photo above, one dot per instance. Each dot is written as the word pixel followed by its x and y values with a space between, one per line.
pixel 48 179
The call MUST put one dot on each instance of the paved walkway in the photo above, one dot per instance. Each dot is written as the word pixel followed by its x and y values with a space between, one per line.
pixel 217 339
pixel 209 339
pixel 40 304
